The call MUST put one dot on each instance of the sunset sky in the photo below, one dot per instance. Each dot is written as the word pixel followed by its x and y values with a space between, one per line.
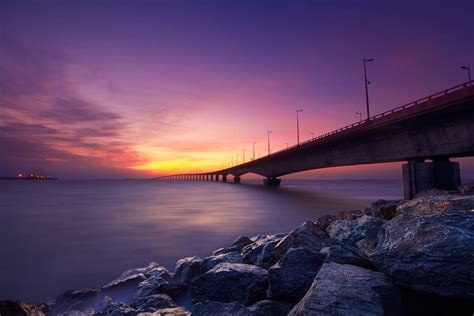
pixel 112 89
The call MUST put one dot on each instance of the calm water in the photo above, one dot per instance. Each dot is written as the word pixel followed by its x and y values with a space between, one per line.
pixel 74 234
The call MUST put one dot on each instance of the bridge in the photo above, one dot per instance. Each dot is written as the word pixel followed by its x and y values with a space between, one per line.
pixel 424 134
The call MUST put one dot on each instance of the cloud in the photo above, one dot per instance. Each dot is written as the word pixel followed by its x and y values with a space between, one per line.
pixel 74 110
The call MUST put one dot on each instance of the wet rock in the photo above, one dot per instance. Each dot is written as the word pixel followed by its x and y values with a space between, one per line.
pixel 237 246
pixel 351 231
pixel 18 308
pixel 111 308
pixel 349 290
pixel 437 204
pixel 345 254
pixel 259 253
pixel 383 209
pixel 269 308
pixel 231 257
pixel 308 236
pixel 152 302
pixel 188 268
pixel 291 277
pixel 431 253
pixel 125 281
pixel 207 308
pixel 467 188
pixel 229 282
pixel 175 311
pixel 75 300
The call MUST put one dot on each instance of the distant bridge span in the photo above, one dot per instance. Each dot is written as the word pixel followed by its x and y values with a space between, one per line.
pixel 436 128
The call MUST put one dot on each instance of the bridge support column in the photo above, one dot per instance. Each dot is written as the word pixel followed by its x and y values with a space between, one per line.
pixel 224 178
pixel 272 182
pixel 236 179
pixel 439 174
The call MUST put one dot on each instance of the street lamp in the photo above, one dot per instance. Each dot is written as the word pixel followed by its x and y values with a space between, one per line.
pixel 253 153
pixel 268 135
pixel 298 127
pixel 367 82
pixel 237 159
pixel 468 69
pixel 360 115
pixel 312 135
pixel 286 145
pixel 243 155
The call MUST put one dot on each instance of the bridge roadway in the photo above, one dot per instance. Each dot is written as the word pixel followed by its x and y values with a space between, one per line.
pixel 435 128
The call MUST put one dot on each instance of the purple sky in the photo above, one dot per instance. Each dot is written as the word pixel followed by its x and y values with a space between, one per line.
pixel 138 88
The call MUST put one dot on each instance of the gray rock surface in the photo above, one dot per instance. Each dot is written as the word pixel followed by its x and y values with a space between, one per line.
pixel 152 302
pixel 437 204
pixel 467 188
pixel 229 282
pixel 112 308
pixel 339 252
pixel 175 311
pixel 188 268
pixel 432 253
pixel 231 257
pixel 237 246
pixel 351 231
pixel 269 308
pixel 259 253
pixel 349 290
pixel 17 308
pixel 383 209
pixel 291 277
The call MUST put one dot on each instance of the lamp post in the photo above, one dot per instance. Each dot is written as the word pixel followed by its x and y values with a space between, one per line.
pixel 232 162
pixel 286 145
pixel 268 136
pixel 298 127
pixel 367 82
pixel 237 159
pixel 243 155
pixel 312 135
pixel 253 152
pixel 468 69
pixel 360 116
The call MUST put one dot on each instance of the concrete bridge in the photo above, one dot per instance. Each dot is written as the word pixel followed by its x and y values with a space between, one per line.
pixel 425 134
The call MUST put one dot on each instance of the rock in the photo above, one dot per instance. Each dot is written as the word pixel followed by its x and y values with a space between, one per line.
pixel 237 246
pixel 344 254
pixel 175 311
pixel 207 308
pixel 340 289
pixel 431 253
pixel 269 308
pixel 75 300
pixel 259 253
pixel 291 277
pixel 437 204
pixel 432 193
pixel 467 188
pixel 111 308
pixel 383 209
pixel 152 302
pixel 351 231
pixel 86 312
pixel 308 236
pixel 188 268
pixel 229 282
pixel 125 281
pixel 231 257
pixel 18 308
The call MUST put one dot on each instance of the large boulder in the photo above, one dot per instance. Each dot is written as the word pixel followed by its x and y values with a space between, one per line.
pixel 291 277
pixel 172 311
pixel 188 268
pixel 467 188
pixel 18 308
pixel 431 253
pixel 309 236
pixel 259 253
pixel 75 300
pixel 339 252
pixel 325 220
pixel 230 257
pixel 152 302
pixel 229 282
pixel 110 307
pixel 340 289
pixel 351 231
pixel 236 246
pixel 383 209
pixel 269 308
pixel 207 308
pixel 437 204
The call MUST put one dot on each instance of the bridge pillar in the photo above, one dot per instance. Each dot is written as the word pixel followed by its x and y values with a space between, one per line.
pixel 224 178
pixel 439 174
pixel 236 179
pixel 271 182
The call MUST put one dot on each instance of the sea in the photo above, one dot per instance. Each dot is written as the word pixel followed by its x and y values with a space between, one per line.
pixel 74 234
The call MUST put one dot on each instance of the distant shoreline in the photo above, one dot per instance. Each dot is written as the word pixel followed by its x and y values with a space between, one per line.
pixel 30 179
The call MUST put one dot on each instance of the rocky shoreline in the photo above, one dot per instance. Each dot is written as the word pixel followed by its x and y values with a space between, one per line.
pixel 394 258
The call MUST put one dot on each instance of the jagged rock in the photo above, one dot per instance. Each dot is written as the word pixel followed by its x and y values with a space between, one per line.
pixel 291 277
pixel 351 231
pixel 188 268
pixel 432 193
pixel 259 253
pixel 228 282
pixel 175 311
pixel 345 254
pixel 437 204
pixel 207 308
pixel 340 289
pixel 111 308
pixel 231 257
pixel 308 236
pixel 237 246
pixel 431 253
pixel 75 300
pixel 125 281
pixel 18 308
pixel 152 303
pixel 86 312
pixel 325 220
pixel 383 209
pixel 467 188
pixel 269 308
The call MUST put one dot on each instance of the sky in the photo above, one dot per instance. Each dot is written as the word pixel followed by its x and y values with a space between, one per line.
pixel 114 89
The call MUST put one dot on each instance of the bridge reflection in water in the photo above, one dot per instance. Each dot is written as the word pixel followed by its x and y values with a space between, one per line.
pixel 425 133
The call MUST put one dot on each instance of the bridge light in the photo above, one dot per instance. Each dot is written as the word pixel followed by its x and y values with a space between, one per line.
pixel 366 84
pixel 468 69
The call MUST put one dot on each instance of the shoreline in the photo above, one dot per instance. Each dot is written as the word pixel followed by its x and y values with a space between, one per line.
pixel 296 272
